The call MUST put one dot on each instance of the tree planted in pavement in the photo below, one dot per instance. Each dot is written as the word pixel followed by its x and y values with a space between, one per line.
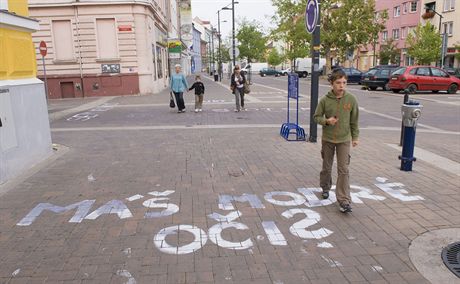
pixel 274 57
pixel 291 28
pixel 424 44
pixel 389 52
pixel 252 41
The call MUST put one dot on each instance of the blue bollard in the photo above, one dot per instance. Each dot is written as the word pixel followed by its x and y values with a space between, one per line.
pixel 411 112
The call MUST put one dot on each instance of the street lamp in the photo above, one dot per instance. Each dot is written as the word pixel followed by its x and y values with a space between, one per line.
pixel 233 29
pixel 219 52
pixel 427 8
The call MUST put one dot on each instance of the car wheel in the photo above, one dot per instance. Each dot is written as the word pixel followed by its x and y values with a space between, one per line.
pixel 373 88
pixel 435 91
pixel 412 88
pixel 277 75
pixel 386 87
pixel 452 89
pixel 396 90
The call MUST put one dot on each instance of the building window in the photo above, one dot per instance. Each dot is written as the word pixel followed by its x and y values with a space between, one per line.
pixel 384 36
pixel 405 7
pixel 403 32
pixel 448 28
pixel 396 11
pixel 411 30
pixel 62 40
pixel 4 5
pixel 395 33
pixel 413 6
pixel 107 44
pixel 449 5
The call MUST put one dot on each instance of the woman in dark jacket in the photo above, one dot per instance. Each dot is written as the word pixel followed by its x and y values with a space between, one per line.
pixel 237 86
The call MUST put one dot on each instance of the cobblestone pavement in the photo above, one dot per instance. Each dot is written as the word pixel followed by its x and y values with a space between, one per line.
pixel 146 195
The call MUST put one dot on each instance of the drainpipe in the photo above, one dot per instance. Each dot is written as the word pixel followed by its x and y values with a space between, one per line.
pixel 79 49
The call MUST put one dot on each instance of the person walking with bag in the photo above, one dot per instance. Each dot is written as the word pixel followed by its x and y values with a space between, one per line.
pixel 338 113
pixel 178 84
pixel 237 83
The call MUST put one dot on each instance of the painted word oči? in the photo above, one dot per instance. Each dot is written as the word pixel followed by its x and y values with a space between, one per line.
pixel 306 197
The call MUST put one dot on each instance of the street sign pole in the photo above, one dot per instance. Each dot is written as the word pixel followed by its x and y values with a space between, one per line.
pixel 44 51
pixel 312 22
pixel 46 80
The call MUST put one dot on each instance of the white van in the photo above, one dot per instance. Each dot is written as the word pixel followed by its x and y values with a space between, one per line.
pixel 303 66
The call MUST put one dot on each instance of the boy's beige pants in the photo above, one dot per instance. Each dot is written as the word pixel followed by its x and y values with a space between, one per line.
pixel 343 161
pixel 198 101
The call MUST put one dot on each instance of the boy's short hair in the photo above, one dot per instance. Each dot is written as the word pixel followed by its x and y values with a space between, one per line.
pixel 197 77
pixel 337 74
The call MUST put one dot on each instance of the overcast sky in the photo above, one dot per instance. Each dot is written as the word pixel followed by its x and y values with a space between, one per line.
pixel 260 10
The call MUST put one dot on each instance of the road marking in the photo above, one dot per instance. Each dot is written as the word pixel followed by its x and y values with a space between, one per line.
pixel 251 98
pixel 225 126
pixel 398 119
pixel 60 114
pixel 433 159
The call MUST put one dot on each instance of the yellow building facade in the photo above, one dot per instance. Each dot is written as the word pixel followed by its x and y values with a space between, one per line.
pixel 17 59
pixel 24 126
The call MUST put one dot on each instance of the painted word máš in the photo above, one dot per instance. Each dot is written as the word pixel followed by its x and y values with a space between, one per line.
pixel 306 197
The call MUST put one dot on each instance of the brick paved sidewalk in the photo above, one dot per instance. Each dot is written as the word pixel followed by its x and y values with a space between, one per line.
pixel 182 202
pixel 185 173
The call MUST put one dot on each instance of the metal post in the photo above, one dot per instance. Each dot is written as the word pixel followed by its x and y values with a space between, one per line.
pixel 406 99
pixel 315 77
pixel 233 33
pixel 212 53
pixel 219 52
pixel 46 80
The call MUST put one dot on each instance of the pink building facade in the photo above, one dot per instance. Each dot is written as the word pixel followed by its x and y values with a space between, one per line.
pixel 403 18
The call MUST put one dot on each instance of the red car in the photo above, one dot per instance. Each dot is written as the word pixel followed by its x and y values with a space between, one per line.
pixel 423 78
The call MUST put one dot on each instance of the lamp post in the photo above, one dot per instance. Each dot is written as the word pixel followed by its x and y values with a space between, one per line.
pixel 219 52
pixel 233 28
pixel 443 34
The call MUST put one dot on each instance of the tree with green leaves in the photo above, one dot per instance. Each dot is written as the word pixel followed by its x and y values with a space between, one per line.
pixel 345 25
pixel 252 42
pixel 274 57
pixel 291 28
pixel 424 45
pixel 457 51
pixel 389 52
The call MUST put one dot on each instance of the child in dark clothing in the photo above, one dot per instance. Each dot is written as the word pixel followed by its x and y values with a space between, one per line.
pixel 199 92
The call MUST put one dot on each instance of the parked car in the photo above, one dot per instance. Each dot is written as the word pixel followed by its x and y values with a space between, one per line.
pixel 269 71
pixel 378 77
pixel 423 78
pixel 286 71
pixel 353 74
pixel 453 71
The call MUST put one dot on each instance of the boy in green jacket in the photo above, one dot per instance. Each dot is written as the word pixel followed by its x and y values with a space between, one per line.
pixel 338 113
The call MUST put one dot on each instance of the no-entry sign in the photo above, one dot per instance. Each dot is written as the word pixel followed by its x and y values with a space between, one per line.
pixel 43 49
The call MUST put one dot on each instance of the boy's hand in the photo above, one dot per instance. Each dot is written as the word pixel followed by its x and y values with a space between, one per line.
pixel 332 121
pixel 355 143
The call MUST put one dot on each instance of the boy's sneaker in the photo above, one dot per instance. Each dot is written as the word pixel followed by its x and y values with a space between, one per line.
pixel 196 110
pixel 345 208
pixel 200 110
pixel 325 195
pixel 243 109
pixel 236 110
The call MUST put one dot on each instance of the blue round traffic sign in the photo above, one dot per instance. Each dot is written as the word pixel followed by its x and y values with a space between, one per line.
pixel 311 15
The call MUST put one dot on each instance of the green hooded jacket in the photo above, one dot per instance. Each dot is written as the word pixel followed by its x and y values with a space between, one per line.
pixel 345 110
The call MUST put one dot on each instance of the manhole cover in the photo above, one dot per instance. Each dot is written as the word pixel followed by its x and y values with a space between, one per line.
pixel 451 257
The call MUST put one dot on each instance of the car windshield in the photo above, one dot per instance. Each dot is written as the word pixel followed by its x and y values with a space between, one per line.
pixel 399 71
pixel 371 72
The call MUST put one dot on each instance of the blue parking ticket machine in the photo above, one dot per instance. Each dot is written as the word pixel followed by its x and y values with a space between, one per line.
pixel 288 127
